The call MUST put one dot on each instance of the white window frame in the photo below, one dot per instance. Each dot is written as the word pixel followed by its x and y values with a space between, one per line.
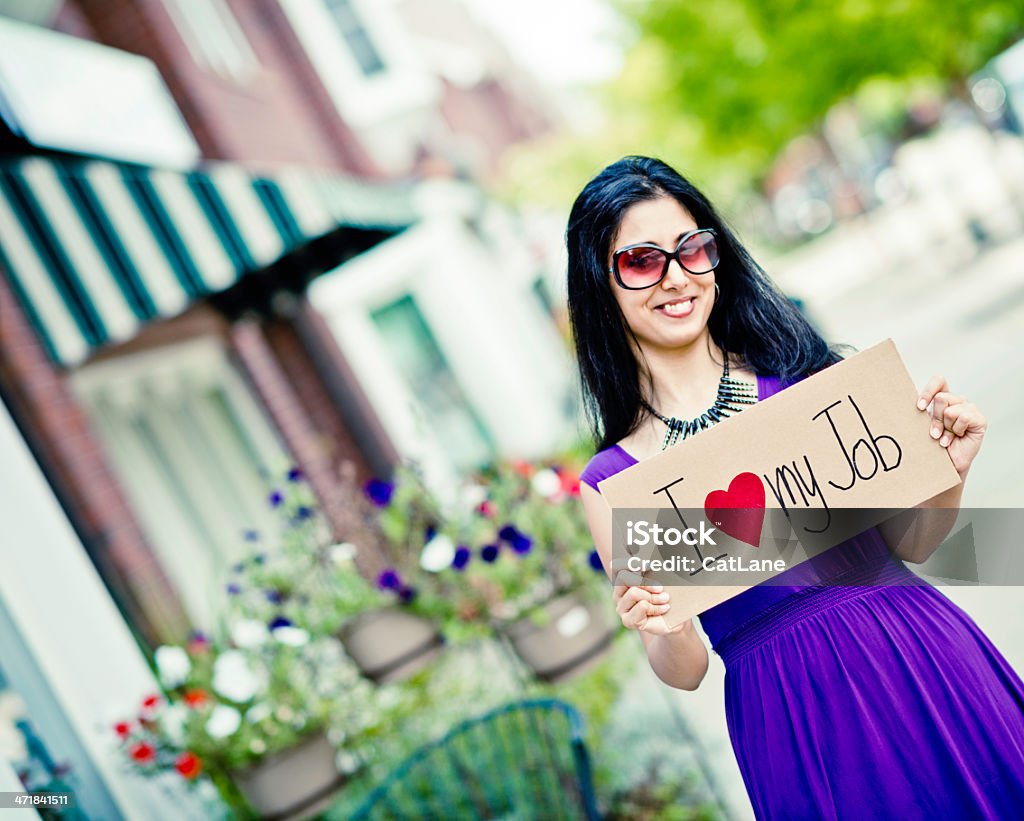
pixel 213 37
pixel 140 403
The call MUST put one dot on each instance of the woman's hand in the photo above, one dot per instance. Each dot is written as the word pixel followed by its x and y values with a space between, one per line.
pixel 956 423
pixel 643 607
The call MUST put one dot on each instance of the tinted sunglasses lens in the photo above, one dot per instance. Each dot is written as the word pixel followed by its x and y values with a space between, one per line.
pixel 640 266
pixel 699 253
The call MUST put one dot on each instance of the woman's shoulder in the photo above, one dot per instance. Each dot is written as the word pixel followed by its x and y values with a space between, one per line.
pixel 605 463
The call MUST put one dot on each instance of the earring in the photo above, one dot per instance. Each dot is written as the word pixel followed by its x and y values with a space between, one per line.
pixel 718 293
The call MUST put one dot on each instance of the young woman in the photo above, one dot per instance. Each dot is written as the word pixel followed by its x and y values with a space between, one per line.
pixel 842 700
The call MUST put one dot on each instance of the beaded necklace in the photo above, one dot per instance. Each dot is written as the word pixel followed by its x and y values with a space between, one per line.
pixel 732 396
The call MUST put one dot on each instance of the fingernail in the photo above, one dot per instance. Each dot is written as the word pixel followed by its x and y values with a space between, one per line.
pixel 921 404
pixel 657 588
pixel 662 597
pixel 936 431
pixel 944 441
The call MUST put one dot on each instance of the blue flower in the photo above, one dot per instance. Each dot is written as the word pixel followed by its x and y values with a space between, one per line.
pixel 276 498
pixel 489 552
pixel 251 535
pixel 406 594
pixel 389 580
pixel 379 491
pixel 303 513
pixel 595 561
pixel 279 621
pixel 461 558
pixel 429 533
pixel 233 589
pixel 294 475
pixel 238 568
pixel 522 544
pixel 508 533
pixel 274 596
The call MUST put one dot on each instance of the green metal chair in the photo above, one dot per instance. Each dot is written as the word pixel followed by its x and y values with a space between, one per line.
pixel 525 760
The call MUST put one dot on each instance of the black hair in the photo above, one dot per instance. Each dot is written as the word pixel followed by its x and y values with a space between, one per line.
pixel 752 319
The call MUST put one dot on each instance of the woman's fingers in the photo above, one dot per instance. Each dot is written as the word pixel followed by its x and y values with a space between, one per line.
pixel 636 605
pixel 960 418
pixel 934 385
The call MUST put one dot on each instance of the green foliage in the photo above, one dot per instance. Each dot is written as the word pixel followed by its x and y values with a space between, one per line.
pixel 718 88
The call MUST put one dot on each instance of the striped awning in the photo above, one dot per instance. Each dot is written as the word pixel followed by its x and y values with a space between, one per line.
pixel 96 249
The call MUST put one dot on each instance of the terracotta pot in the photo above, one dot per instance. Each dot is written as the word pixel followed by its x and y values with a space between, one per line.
pixel 574 638
pixel 390 644
pixel 295 783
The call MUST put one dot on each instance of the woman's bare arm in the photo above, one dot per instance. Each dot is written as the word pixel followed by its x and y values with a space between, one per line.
pixel 677 655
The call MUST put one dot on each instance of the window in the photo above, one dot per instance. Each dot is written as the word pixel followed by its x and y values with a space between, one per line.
pixel 420 361
pixel 213 36
pixel 192 452
pixel 356 36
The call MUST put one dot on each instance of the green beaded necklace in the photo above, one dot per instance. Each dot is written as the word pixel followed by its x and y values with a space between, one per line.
pixel 732 396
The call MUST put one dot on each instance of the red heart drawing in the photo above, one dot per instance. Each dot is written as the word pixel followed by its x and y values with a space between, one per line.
pixel 738 511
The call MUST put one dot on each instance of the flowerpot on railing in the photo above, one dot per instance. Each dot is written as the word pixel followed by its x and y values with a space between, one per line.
pixel 295 783
pixel 390 644
pixel 573 636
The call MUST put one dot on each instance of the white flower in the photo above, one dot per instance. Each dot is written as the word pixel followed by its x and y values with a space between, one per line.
pixel 233 678
pixel 223 721
pixel 473 495
pixel 173 722
pixel 437 554
pixel 258 712
pixel 248 633
pixel 292 636
pixel 173 665
pixel 546 483
pixel 343 552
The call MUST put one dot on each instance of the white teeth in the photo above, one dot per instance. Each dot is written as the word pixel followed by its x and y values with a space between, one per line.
pixel 678 308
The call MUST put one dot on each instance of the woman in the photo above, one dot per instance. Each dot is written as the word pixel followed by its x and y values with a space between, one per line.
pixel 841 700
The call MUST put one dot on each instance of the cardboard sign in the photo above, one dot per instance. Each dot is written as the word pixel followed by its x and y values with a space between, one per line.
pixel 782 474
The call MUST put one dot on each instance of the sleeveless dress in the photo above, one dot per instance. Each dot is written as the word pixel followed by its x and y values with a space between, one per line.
pixel 876 697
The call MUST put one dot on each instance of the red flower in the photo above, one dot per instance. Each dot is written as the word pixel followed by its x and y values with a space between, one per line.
pixel 570 482
pixel 196 698
pixel 486 508
pixel 522 468
pixel 189 765
pixel 123 729
pixel 150 703
pixel 143 752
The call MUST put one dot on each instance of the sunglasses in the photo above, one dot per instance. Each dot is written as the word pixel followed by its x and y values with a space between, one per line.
pixel 644 265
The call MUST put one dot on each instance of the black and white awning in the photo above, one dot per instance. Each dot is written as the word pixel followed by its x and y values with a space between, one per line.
pixel 96 249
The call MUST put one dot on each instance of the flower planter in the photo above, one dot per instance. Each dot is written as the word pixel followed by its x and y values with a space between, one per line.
pixel 390 644
pixel 575 637
pixel 295 783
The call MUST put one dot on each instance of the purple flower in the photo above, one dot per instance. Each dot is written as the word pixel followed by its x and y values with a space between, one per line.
pixel 489 552
pixel 198 636
pixel 233 589
pixel 461 558
pixel 379 491
pixel 508 533
pixel 429 533
pixel 251 535
pixel 595 561
pixel 389 580
pixel 273 596
pixel 276 498
pixel 522 544
pixel 279 621
pixel 406 594
pixel 303 513
pixel 294 475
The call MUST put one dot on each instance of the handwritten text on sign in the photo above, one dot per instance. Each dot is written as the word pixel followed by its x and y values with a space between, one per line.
pixel 849 437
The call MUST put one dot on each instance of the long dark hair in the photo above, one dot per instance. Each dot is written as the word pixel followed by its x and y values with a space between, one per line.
pixel 751 319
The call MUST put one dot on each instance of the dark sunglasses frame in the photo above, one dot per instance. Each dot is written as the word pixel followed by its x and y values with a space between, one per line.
pixel 669 256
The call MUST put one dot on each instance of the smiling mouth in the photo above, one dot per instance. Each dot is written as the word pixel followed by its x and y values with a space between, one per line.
pixel 677 307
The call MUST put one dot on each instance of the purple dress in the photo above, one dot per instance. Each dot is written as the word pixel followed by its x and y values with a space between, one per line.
pixel 877 701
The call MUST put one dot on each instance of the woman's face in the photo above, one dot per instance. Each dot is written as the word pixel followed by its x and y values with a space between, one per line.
pixel 674 313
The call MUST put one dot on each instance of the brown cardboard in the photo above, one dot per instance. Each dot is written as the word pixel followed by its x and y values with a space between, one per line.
pixel 875 393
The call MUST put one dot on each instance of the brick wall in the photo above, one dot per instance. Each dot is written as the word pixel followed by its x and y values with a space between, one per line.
pixel 278 116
